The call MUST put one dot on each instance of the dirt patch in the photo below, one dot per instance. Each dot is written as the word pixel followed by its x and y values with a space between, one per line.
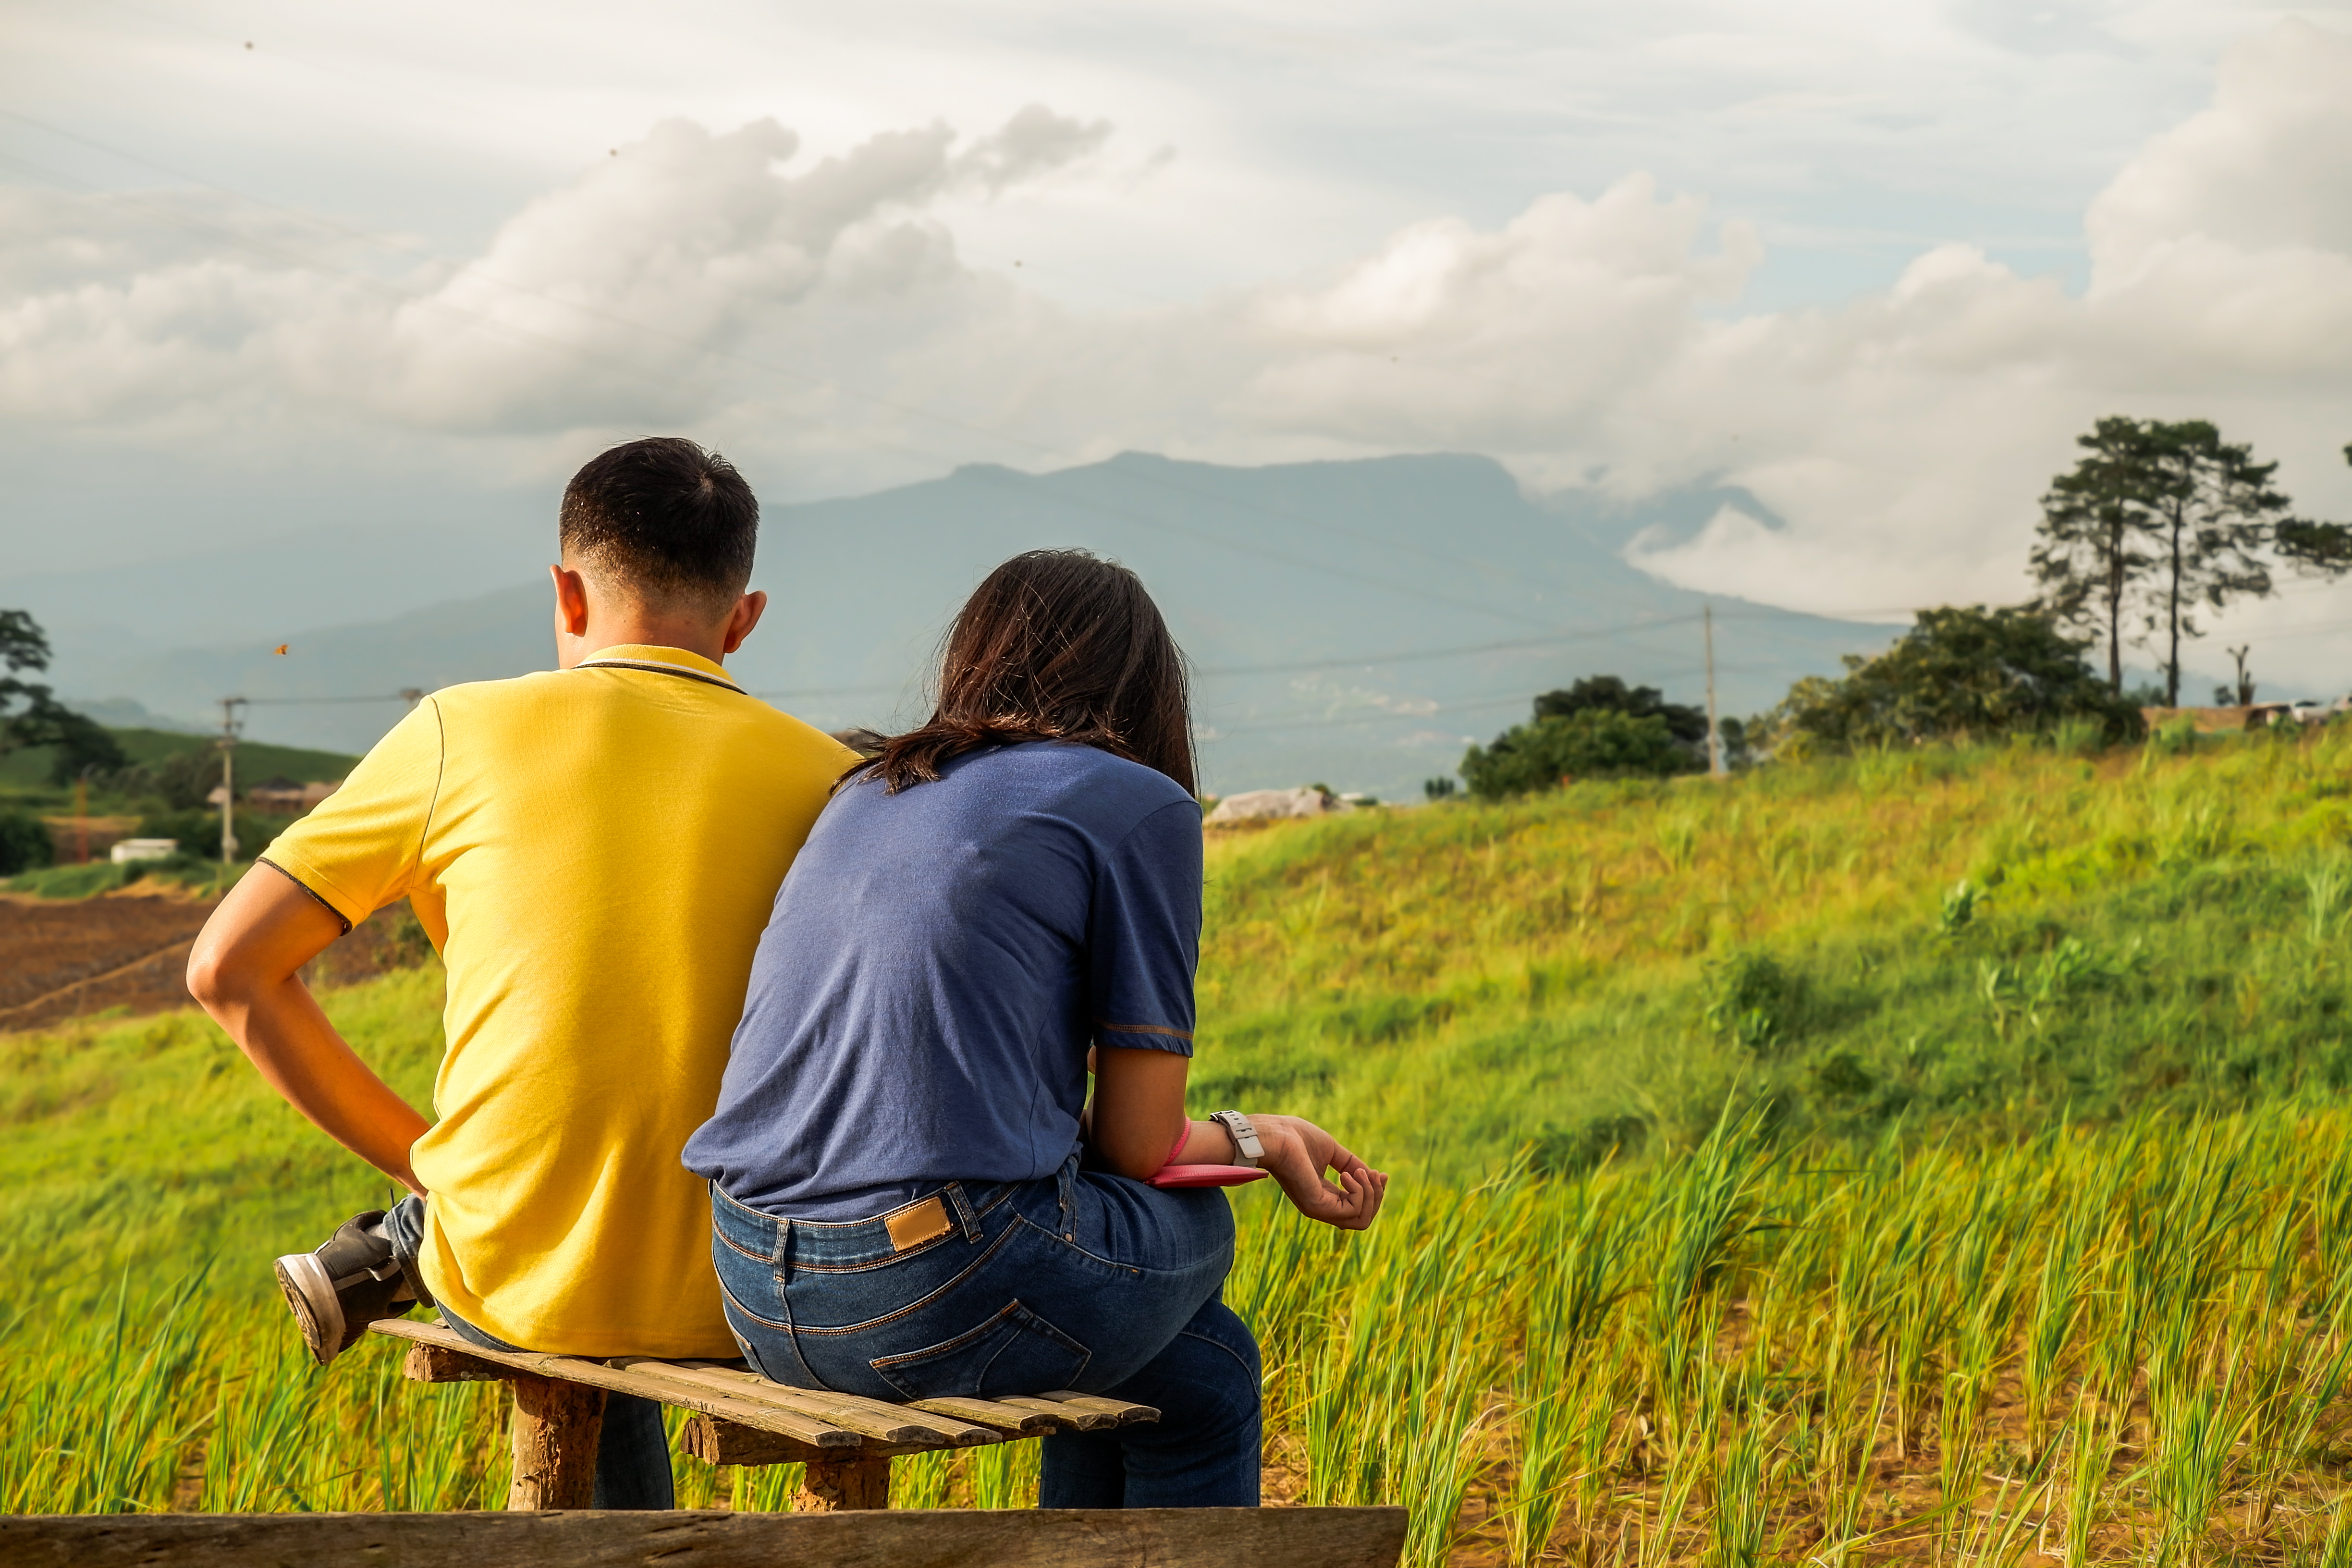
pixel 128 951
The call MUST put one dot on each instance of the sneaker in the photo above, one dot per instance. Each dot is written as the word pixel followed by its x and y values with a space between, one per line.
pixel 338 1291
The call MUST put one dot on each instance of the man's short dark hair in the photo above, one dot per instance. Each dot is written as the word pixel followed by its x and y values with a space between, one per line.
pixel 663 518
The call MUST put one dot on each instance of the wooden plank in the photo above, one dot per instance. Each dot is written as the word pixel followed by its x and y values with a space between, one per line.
pixel 715 1440
pixel 881 1423
pixel 989 1413
pixel 849 1409
pixel 927 1538
pixel 431 1363
pixel 595 1374
pixel 1125 1412
pixel 1083 1420
pixel 718 1441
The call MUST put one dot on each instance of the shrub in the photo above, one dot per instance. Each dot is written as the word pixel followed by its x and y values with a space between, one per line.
pixel 24 843
pixel 1592 743
pixel 1959 674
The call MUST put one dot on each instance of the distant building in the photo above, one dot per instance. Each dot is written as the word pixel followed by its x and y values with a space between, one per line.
pixel 1275 805
pixel 131 849
pixel 284 797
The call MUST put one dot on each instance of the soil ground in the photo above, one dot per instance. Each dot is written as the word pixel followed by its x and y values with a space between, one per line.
pixel 127 953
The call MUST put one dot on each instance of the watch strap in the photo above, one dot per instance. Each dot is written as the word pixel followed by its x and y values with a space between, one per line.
pixel 1247 1149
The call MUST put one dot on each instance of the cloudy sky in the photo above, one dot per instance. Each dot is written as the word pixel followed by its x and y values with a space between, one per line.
pixel 1876 261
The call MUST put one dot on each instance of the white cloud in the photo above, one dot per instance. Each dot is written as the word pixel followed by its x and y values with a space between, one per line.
pixel 815 310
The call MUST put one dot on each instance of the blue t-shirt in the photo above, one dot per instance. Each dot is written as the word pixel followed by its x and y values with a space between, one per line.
pixel 938 963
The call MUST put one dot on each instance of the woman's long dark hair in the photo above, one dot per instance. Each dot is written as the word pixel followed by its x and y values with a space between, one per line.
pixel 1056 645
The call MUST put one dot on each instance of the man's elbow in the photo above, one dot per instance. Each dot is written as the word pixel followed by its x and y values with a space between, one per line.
pixel 214 978
pixel 206 981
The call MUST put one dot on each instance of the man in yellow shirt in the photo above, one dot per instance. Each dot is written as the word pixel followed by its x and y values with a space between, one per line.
pixel 595 851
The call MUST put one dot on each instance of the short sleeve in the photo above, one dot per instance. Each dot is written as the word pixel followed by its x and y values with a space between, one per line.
pixel 1143 935
pixel 359 848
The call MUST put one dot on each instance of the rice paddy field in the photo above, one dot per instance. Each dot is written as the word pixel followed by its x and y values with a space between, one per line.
pixel 1935 1157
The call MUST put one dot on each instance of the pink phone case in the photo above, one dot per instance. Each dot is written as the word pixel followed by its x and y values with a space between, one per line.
pixel 1206 1176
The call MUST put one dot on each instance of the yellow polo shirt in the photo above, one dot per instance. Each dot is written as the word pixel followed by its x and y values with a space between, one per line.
pixel 595 852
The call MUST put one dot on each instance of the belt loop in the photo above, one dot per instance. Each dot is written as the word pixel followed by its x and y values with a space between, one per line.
pixel 782 1254
pixel 1065 1185
pixel 964 1215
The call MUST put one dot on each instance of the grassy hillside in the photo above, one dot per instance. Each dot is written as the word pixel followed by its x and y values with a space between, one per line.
pixel 1989 939
pixel 2027 1237
pixel 255 760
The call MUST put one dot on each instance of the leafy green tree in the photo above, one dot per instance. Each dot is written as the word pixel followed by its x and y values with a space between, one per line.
pixel 1589 744
pixel 22 647
pixel 1609 693
pixel 1955 674
pixel 24 843
pixel 31 714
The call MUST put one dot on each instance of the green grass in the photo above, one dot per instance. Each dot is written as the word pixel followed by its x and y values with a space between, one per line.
pixel 1980 1225
pixel 2137 929
pixel 204 878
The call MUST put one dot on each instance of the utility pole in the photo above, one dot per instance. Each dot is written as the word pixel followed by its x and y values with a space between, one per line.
pixel 1714 734
pixel 227 744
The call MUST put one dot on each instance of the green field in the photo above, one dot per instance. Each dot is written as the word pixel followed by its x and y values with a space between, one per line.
pixel 27 770
pixel 1766 1195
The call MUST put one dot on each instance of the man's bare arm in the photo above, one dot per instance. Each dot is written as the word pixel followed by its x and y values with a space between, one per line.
pixel 244 971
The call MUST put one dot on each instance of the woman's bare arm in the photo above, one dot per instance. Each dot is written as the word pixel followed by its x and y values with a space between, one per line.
pixel 1138 1112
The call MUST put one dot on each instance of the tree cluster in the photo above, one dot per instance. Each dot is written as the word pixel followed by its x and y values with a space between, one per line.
pixel 1598 727
pixel 1957 675
pixel 2161 521
pixel 31 714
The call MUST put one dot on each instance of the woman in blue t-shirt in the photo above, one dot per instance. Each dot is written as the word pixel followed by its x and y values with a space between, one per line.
pixel 911 1195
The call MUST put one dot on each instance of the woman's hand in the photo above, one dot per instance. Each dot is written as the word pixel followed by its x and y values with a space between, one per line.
pixel 1298 1152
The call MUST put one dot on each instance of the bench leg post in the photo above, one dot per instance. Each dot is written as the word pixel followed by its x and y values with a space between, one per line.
pixel 556 1426
pixel 837 1486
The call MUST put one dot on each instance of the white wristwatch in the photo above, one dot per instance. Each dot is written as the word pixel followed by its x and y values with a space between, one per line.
pixel 1247 1150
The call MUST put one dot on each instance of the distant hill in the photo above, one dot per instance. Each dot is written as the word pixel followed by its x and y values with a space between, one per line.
pixel 255 760
pixel 1355 624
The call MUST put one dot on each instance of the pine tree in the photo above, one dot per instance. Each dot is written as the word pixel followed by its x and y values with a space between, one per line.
pixel 2214 511
pixel 2164 518
pixel 2091 549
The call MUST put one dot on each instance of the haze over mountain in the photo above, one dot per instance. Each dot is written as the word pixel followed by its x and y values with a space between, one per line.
pixel 1353 623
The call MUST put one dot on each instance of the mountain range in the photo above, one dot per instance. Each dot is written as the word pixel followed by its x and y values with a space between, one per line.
pixel 1355 623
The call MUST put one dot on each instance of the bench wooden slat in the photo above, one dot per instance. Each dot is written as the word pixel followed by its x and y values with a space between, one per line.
pixel 816 1432
pixel 1124 1411
pixel 888 1423
pixel 1015 1538
pixel 989 1412
pixel 960 1433
pixel 1083 1420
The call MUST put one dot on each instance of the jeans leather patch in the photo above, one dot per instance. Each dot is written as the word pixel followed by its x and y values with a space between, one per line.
pixel 917 1223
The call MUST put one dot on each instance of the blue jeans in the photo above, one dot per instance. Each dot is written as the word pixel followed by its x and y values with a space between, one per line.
pixel 1080 1280
pixel 632 1450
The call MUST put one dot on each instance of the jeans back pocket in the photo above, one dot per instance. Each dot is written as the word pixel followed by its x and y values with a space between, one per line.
pixel 1016 1351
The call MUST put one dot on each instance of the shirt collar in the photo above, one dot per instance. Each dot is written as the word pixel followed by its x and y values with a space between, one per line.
pixel 638 656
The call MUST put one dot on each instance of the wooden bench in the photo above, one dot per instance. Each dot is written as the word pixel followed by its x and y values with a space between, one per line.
pixel 942 1538
pixel 739 1418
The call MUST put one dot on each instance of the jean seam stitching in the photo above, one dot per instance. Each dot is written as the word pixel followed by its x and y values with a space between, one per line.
pixel 1060 1240
pixel 1206 1340
pixel 928 1297
pixel 737 1302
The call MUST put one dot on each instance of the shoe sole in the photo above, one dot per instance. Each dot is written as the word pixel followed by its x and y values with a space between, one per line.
pixel 317 1311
